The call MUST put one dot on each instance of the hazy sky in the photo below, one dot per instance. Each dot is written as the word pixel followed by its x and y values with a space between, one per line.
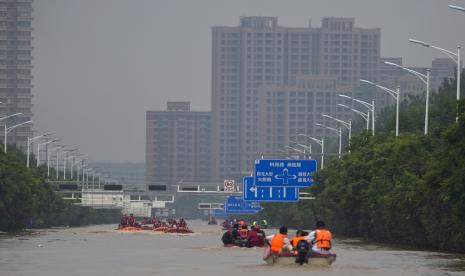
pixel 100 64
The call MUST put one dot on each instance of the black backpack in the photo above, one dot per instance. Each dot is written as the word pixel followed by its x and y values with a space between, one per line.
pixel 303 249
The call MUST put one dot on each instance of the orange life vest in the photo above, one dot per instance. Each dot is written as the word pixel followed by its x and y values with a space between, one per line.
pixel 295 240
pixel 244 233
pixel 277 242
pixel 323 239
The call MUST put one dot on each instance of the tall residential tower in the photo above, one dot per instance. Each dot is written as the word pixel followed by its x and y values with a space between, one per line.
pixel 260 53
pixel 15 68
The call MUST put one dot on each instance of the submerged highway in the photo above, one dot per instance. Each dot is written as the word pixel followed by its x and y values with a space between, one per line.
pixel 100 250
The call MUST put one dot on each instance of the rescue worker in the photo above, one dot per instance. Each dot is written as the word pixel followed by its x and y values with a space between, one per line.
pixel 124 221
pixel 229 237
pixel 279 242
pixel 132 220
pixel 255 238
pixel 320 239
pixel 298 237
pixel 244 232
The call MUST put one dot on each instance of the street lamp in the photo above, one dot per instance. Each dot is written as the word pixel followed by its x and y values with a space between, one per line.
pixel 64 161
pixel 30 141
pixel 6 117
pixel 347 124
pixel 425 79
pixel 363 115
pixel 305 147
pixel 458 8
pixel 454 56
pixel 48 158
pixel 73 162
pixel 79 167
pixel 337 132
pixel 294 149
pixel 370 107
pixel 394 94
pixel 38 149
pixel 8 129
pixel 319 142
pixel 58 157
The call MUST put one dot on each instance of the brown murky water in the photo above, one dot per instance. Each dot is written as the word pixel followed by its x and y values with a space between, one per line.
pixel 99 250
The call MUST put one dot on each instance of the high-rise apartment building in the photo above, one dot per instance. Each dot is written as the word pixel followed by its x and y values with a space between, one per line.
pixel 15 68
pixel 177 146
pixel 287 112
pixel 260 53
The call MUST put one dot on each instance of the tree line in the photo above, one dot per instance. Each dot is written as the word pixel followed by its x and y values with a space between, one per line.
pixel 407 190
pixel 28 200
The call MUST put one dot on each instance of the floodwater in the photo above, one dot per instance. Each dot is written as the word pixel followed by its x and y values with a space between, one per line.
pixel 100 250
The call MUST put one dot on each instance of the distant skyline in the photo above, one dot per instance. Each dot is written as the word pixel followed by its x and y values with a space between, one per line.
pixel 100 65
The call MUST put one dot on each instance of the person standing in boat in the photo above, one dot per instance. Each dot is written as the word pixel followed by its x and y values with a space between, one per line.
pixel 320 239
pixel 279 242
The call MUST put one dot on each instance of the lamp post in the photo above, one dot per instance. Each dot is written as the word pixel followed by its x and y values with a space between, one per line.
pixel 8 129
pixel 294 149
pixel 363 115
pixel 458 8
pixel 4 118
pixel 29 143
pixel 394 94
pixel 454 56
pixel 64 161
pixel 81 167
pixel 425 79
pixel 48 158
pixel 305 147
pixel 87 171
pixel 347 125
pixel 73 161
pixel 337 131
pixel 370 107
pixel 38 149
pixel 319 142
pixel 58 157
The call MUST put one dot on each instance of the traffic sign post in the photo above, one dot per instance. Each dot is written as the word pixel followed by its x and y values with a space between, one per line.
pixel 236 205
pixel 253 192
pixel 229 186
pixel 284 173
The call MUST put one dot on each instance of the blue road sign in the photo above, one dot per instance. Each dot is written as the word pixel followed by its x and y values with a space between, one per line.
pixel 236 205
pixel 253 192
pixel 284 173
pixel 219 213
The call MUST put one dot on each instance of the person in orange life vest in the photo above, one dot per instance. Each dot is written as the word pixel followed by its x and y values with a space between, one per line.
pixel 298 237
pixel 244 232
pixel 132 220
pixel 320 239
pixel 279 242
